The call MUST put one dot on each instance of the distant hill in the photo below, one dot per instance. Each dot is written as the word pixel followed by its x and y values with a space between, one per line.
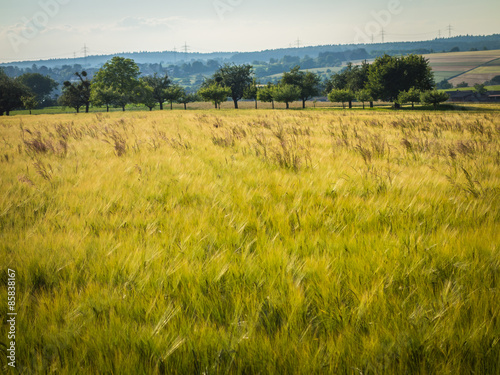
pixel 470 67
pixel 461 43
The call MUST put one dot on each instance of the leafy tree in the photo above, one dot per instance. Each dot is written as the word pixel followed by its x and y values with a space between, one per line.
pixel 307 82
pixel 494 81
pixel 172 94
pixel 444 85
pixel 480 88
pixel 364 96
pixel 286 93
pixel 186 98
pixel 146 95
pixel 29 102
pixel 101 95
pixel 214 93
pixel 266 94
pixel 77 94
pixel 159 84
pixel 41 86
pixel 235 77
pixel 251 92
pixel 11 92
pixel 353 77
pixel 462 84
pixel 121 76
pixel 341 96
pixel 433 97
pixel 411 96
pixel 389 75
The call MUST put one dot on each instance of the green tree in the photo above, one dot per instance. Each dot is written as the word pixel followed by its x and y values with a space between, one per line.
pixel 286 93
pixel 159 84
pixel 341 96
pixel 433 97
pixel 186 98
pixel 101 95
pixel 389 75
pixel 251 92
pixel 172 94
pixel 11 92
pixel 77 94
pixel 146 94
pixel 41 86
pixel 121 76
pixel 480 88
pixel 363 96
pixel 307 82
pixel 444 85
pixel 214 93
pixel 413 96
pixel 235 77
pixel 462 84
pixel 29 102
pixel 352 77
pixel 266 94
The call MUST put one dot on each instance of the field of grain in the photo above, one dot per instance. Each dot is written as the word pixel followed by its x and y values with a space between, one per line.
pixel 253 242
pixel 467 67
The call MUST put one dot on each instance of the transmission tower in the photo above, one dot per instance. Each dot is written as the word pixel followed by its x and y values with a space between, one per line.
pixel 383 34
pixel 185 47
pixel 298 42
pixel 85 51
pixel 449 30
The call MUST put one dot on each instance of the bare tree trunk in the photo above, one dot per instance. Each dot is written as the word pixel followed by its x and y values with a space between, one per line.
pixel 235 104
pixel 161 105
pixel 272 101
pixel 371 104
pixel 303 103
pixel 287 105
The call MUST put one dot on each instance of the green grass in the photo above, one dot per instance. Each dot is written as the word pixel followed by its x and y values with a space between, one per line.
pixel 247 242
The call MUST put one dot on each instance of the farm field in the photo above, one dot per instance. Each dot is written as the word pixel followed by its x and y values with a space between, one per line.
pixel 471 66
pixel 247 242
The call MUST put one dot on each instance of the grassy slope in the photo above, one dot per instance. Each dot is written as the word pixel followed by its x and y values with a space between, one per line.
pixel 253 242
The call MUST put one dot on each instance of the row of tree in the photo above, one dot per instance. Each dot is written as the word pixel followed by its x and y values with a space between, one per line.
pixel 400 80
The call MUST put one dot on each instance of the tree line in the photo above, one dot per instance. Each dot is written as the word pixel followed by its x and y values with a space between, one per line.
pixel 396 79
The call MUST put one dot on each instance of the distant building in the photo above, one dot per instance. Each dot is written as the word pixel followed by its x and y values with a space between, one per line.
pixel 472 96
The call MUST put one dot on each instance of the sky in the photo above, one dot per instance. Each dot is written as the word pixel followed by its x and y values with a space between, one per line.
pixel 42 29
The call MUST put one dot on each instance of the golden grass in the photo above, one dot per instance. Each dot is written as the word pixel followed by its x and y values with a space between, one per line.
pixel 253 241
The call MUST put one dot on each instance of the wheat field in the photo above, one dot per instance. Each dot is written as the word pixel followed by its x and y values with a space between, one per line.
pixel 253 242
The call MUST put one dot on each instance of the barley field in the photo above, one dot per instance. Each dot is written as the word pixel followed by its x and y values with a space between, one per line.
pixel 253 242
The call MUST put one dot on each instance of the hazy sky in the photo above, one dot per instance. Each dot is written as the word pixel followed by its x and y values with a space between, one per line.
pixel 40 29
